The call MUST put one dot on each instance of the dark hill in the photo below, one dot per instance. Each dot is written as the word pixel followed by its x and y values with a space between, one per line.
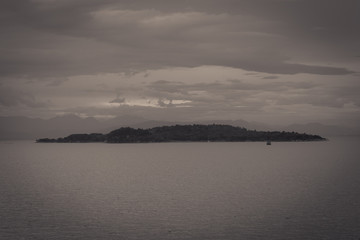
pixel 186 133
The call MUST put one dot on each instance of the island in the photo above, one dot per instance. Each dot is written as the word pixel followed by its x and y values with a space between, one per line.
pixel 185 133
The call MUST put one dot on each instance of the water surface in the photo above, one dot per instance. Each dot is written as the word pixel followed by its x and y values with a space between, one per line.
pixel 302 190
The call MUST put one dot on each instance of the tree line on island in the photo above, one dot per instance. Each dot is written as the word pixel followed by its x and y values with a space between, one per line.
pixel 185 133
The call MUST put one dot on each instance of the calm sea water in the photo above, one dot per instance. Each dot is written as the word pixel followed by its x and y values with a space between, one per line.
pixel 180 190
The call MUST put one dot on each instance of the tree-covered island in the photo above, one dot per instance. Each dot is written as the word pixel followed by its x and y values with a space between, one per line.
pixel 185 133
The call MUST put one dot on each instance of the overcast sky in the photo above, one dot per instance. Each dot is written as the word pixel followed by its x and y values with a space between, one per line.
pixel 274 61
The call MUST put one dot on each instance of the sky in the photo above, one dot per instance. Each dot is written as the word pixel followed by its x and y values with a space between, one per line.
pixel 273 61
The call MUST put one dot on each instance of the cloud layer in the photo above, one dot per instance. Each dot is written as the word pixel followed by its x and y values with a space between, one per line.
pixel 65 38
pixel 269 59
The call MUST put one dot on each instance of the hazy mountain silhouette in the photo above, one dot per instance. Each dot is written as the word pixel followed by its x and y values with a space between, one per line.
pixel 19 127
pixel 28 128
pixel 121 121
pixel 241 123
pixel 321 129
pixel 31 128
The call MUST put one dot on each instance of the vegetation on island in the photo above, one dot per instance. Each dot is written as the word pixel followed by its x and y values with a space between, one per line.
pixel 185 133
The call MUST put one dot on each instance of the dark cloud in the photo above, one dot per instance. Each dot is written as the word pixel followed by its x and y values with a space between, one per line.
pixel 63 38
pixel 163 86
pixel 270 77
pixel 164 103
pixel 10 97
pixel 118 100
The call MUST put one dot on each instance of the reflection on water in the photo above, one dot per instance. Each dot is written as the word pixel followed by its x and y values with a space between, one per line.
pixel 180 191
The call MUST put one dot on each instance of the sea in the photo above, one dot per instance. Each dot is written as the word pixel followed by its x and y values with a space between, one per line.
pixel 207 190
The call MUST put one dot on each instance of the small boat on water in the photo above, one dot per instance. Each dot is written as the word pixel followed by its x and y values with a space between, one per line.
pixel 268 143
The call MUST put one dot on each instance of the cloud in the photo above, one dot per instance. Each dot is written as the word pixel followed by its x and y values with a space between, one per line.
pixel 180 98
pixel 201 58
pixel 270 77
pixel 10 97
pixel 44 39
pixel 165 103
pixel 234 93
pixel 118 100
